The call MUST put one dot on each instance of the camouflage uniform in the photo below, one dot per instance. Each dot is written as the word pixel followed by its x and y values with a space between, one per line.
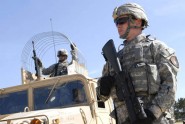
pixel 151 65
pixel 57 69
pixel 153 68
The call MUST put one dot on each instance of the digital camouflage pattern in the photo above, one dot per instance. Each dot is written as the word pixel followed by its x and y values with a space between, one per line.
pixel 131 9
pixel 153 75
pixel 57 69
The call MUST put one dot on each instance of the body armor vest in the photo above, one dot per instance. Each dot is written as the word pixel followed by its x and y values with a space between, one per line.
pixel 138 59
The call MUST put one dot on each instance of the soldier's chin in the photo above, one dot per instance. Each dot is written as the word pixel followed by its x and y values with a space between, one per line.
pixel 122 36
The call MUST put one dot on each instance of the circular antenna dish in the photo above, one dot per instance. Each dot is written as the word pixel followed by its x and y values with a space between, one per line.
pixel 46 46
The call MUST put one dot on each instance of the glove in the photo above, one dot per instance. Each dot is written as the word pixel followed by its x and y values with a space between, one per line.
pixel 38 61
pixel 106 84
pixel 149 120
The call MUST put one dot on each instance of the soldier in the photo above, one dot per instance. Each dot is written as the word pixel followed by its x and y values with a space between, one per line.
pixel 59 68
pixel 152 66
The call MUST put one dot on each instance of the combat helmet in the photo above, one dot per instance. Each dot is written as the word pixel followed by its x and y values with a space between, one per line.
pixel 62 52
pixel 131 9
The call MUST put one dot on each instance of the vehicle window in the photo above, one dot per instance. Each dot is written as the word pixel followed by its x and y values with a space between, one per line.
pixel 13 102
pixel 69 93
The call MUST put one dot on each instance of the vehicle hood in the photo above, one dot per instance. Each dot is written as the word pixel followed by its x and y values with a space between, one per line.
pixel 63 115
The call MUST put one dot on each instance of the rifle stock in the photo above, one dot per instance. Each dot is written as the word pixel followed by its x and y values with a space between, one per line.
pixel 125 89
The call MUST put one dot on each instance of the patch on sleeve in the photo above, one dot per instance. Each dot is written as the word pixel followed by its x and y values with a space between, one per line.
pixel 174 61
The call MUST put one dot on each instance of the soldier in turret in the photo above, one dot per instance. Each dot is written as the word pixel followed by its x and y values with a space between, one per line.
pixel 59 68
pixel 150 63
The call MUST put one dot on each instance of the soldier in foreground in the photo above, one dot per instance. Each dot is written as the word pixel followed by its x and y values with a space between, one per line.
pixel 151 67
pixel 59 68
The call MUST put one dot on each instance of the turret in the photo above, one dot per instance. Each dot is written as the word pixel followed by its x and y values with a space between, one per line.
pixel 42 45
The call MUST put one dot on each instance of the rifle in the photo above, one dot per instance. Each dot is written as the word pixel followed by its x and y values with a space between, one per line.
pixel 124 87
pixel 37 69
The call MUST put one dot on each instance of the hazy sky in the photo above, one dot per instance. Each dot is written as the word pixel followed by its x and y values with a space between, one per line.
pixel 87 23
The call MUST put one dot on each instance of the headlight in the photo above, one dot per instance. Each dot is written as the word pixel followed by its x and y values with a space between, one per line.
pixel 35 121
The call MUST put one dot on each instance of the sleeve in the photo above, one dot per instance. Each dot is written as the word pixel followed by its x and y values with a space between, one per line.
pixel 49 70
pixel 168 67
pixel 107 70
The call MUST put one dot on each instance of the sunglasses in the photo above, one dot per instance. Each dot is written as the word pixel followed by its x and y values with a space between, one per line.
pixel 121 21
pixel 61 55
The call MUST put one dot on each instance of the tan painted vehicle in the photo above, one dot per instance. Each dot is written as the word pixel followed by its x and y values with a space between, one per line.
pixel 66 99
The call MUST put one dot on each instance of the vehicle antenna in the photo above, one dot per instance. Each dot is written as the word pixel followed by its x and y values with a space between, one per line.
pixel 53 40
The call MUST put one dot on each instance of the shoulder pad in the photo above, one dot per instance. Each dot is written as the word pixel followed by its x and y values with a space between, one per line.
pixel 167 52
pixel 162 48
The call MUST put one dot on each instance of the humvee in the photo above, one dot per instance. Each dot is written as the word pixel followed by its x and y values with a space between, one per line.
pixel 65 99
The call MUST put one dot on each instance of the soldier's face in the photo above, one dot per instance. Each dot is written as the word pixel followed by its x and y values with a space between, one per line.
pixel 62 58
pixel 122 24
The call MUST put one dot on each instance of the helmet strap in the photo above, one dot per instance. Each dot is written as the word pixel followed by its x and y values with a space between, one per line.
pixel 135 27
pixel 124 36
pixel 132 21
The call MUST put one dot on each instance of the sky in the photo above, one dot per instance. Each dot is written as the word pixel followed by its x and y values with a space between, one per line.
pixel 88 24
